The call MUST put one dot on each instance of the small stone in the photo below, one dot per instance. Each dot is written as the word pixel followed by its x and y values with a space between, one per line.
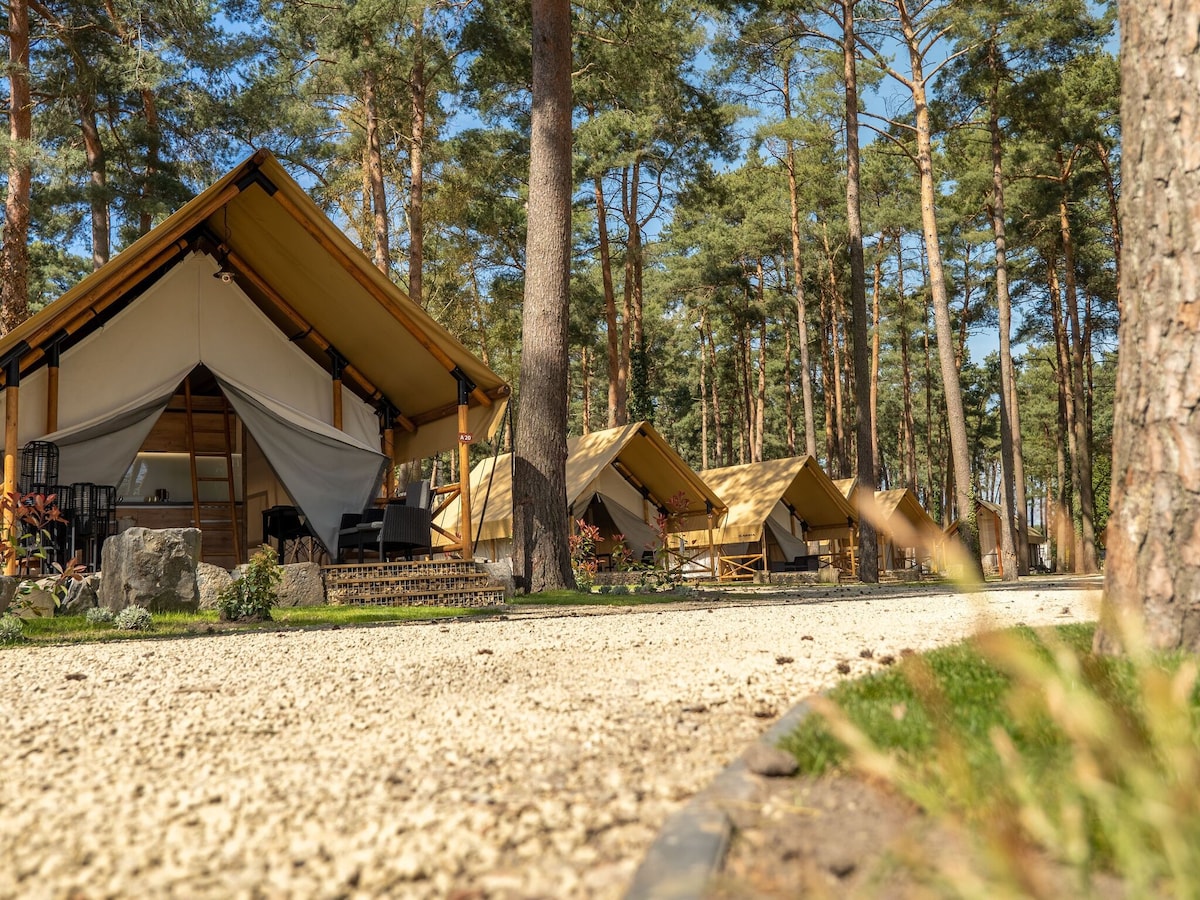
pixel 771 762
pixel 76 676
pixel 867 654
pixel 844 668
pixel 784 660
pixel 483 651
pixel 806 637
pixel 887 660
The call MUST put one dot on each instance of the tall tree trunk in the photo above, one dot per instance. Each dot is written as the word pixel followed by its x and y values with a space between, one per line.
pixel 14 285
pixel 97 163
pixel 1153 568
pixel 639 384
pixel 876 290
pixel 955 418
pixel 810 426
pixel 418 93
pixel 789 405
pixel 1010 509
pixel 379 212
pixel 718 415
pixel 908 422
pixel 868 546
pixel 586 378
pixel 540 554
pixel 1082 461
pixel 829 378
pixel 760 395
pixel 1104 155
pixel 1066 405
pixel 703 398
pixel 616 371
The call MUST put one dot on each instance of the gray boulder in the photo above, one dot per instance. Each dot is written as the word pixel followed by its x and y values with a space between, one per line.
pixel 8 590
pixel 153 568
pixel 210 581
pixel 301 585
pixel 500 572
pixel 82 595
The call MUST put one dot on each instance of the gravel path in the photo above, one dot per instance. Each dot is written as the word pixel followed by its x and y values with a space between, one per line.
pixel 531 756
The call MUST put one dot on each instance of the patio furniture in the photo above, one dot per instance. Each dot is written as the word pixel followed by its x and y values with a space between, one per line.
pixel 403 529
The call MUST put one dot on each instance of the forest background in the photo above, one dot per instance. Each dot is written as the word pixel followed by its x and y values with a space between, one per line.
pixel 710 281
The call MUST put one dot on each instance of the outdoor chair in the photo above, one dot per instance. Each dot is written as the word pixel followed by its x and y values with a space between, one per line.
pixel 402 530
pixel 351 535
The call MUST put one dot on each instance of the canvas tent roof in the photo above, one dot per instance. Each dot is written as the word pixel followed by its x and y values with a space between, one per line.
pixel 1036 536
pixel 617 463
pixel 914 521
pixel 306 277
pixel 754 490
pixel 127 335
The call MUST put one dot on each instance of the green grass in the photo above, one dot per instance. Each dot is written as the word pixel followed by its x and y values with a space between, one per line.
pixel 1026 739
pixel 77 630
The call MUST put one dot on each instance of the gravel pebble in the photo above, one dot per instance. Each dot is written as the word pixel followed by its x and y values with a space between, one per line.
pixel 536 756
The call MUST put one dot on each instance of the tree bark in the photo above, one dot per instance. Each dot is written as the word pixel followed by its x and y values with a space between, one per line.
pixel 1010 509
pixel 868 547
pixel 616 371
pixel 379 217
pixel 955 418
pixel 1082 456
pixel 14 288
pixel 418 94
pixel 97 164
pixel 1153 568
pixel 541 556
pixel 810 425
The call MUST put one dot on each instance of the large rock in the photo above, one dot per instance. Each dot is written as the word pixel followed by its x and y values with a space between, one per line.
pixel 210 581
pixel 82 595
pixel 501 572
pixel 301 585
pixel 8 590
pixel 35 599
pixel 154 568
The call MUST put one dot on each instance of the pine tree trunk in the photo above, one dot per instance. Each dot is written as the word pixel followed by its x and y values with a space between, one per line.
pixel 1010 509
pixel 541 557
pixel 810 426
pixel 703 399
pixel 97 163
pixel 14 283
pixel 760 396
pixel 616 371
pixel 718 416
pixel 789 391
pixel 864 400
pixel 1082 452
pixel 955 418
pixel 418 90
pixel 1067 407
pixel 1153 567
pixel 908 421
pixel 379 217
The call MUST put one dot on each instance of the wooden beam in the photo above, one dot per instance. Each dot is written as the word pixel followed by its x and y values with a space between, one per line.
pixel 441 412
pixel 366 281
pixel 465 438
pixel 11 409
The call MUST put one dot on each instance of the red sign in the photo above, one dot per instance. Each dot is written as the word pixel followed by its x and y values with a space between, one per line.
pixel 466 437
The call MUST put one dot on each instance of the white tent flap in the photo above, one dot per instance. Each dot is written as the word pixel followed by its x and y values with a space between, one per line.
pixel 327 471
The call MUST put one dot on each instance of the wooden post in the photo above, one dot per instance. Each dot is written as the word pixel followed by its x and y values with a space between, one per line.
pixel 11 397
pixel 465 439
pixel 52 355
pixel 389 450
pixel 712 553
pixel 338 363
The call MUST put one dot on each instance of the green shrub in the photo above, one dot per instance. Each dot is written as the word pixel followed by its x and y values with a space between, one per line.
pixel 133 618
pixel 99 615
pixel 12 629
pixel 251 597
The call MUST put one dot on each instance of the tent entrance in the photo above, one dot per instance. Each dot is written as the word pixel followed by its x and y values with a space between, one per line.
pixel 209 432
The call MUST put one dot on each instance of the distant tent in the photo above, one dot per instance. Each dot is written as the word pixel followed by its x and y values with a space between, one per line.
pixel 250 295
pixel 907 534
pixel 619 479
pixel 778 510
pixel 987 517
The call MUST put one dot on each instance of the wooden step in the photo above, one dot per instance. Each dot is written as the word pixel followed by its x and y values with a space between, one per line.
pixel 459 597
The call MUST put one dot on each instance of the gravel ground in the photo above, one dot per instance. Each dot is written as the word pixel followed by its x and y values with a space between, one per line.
pixel 530 756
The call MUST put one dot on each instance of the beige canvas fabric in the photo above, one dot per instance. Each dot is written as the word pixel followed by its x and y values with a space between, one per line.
pixel 287 244
pixel 593 464
pixel 754 491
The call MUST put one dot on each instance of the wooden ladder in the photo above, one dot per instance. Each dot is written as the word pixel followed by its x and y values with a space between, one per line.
pixel 229 505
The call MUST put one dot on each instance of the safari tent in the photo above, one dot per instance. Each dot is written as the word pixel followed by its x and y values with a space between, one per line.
pixel 907 534
pixel 620 480
pixel 243 354
pixel 780 511
pixel 987 517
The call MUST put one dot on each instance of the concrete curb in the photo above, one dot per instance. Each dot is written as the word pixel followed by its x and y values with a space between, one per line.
pixel 690 849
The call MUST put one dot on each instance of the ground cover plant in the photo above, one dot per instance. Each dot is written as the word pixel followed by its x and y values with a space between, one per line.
pixel 1037 752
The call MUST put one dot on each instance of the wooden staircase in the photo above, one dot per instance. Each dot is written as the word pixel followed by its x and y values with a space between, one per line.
pixel 418 583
